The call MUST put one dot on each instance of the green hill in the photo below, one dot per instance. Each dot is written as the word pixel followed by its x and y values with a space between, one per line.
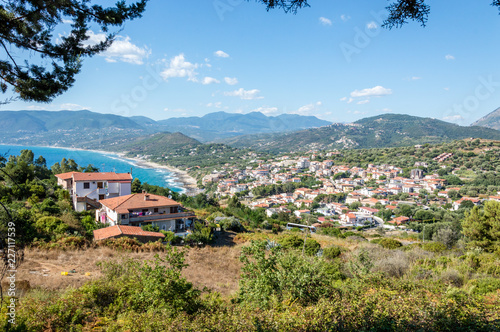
pixel 157 144
pixel 387 130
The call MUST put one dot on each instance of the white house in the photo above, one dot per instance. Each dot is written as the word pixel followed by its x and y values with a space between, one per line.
pixel 87 189
pixel 145 209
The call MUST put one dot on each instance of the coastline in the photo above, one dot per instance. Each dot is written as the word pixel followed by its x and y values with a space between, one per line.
pixel 188 183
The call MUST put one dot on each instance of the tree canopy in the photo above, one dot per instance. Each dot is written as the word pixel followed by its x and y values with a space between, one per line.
pixel 27 30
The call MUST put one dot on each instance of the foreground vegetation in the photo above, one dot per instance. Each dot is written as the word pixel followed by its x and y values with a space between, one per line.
pixel 360 286
pixel 347 280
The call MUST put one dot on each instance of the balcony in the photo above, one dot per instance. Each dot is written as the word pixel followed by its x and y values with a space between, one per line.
pixel 133 217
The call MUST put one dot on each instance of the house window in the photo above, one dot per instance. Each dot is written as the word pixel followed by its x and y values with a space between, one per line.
pixel 173 209
pixel 100 185
pixel 101 197
pixel 156 210
pixel 124 216
pixel 86 185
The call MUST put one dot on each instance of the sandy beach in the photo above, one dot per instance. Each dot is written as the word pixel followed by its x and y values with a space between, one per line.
pixel 188 182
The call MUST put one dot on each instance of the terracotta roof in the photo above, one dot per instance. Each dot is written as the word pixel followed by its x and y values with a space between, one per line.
pixel 108 176
pixel 105 233
pixel 123 204
pixel 66 176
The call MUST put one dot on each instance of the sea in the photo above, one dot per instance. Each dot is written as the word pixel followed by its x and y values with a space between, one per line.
pixel 106 162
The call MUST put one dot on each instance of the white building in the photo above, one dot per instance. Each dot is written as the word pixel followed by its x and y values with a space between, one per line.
pixel 87 189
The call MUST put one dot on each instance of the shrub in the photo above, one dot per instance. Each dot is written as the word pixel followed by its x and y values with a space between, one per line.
pixel 434 247
pixel 150 228
pixel 452 277
pixel 389 243
pixel 231 224
pixel 331 252
pixel 51 226
pixel 331 231
pixel 395 264
pixel 311 247
pixel 292 241
pixel 486 285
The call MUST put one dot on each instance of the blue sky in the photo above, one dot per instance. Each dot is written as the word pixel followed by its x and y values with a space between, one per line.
pixel 331 60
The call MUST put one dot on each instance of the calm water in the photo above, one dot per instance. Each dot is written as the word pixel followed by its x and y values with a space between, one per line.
pixel 105 163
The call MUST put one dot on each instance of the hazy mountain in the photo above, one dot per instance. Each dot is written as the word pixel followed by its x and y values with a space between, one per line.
pixel 378 131
pixel 36 121
pixel 491 120
pixel 47 126
pixel 221 124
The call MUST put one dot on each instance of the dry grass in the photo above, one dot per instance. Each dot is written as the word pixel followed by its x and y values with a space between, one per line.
pixel 216 268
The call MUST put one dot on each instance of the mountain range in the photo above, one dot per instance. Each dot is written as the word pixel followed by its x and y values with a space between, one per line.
pixel 206 128
pixel 284 133
pixel 379 131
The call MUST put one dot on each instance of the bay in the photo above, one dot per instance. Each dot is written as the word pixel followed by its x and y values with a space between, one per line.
pixel 106 162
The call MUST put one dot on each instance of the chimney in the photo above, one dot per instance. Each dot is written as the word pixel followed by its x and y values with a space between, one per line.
pixel 146 197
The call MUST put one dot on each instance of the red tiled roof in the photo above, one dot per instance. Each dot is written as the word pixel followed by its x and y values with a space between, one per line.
pixel 66 176
pixel 108 176
pixel 105 233
pixel 123 204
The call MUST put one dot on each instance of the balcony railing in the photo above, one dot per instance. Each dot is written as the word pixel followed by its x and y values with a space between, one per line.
pixel 156 216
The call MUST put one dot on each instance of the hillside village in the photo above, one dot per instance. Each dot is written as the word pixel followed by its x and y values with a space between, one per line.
pixel 365 192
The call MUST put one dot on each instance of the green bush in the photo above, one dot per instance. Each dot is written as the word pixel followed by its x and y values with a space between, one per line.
pixel 312 247
pixel 486 285
pixel 434 247
pixel 231 224
pixel 51 226
pixel 389 243
pixel 292 241
pixel 331 252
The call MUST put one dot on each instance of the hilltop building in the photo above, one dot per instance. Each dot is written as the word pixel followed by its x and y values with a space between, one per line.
pixel 87 189
pixel 145 209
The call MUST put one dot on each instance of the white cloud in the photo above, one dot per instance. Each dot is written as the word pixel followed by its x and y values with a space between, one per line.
pixel 325 21
pixel 446 89
pixel 209 80
pixel 267 110
pixel 345 18
pixel 221 54
pixel 179 67
pixel 244 94
pixel 231 80
pixel 308 109
pixel 122 49
pixel 449 57
pixel 377 91
pixel 73 107
pixel 362 102
pixel 372 25
pixel 65 21
pixel 416 78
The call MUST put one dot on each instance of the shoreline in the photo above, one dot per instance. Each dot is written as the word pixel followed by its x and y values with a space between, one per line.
pixel 188 183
